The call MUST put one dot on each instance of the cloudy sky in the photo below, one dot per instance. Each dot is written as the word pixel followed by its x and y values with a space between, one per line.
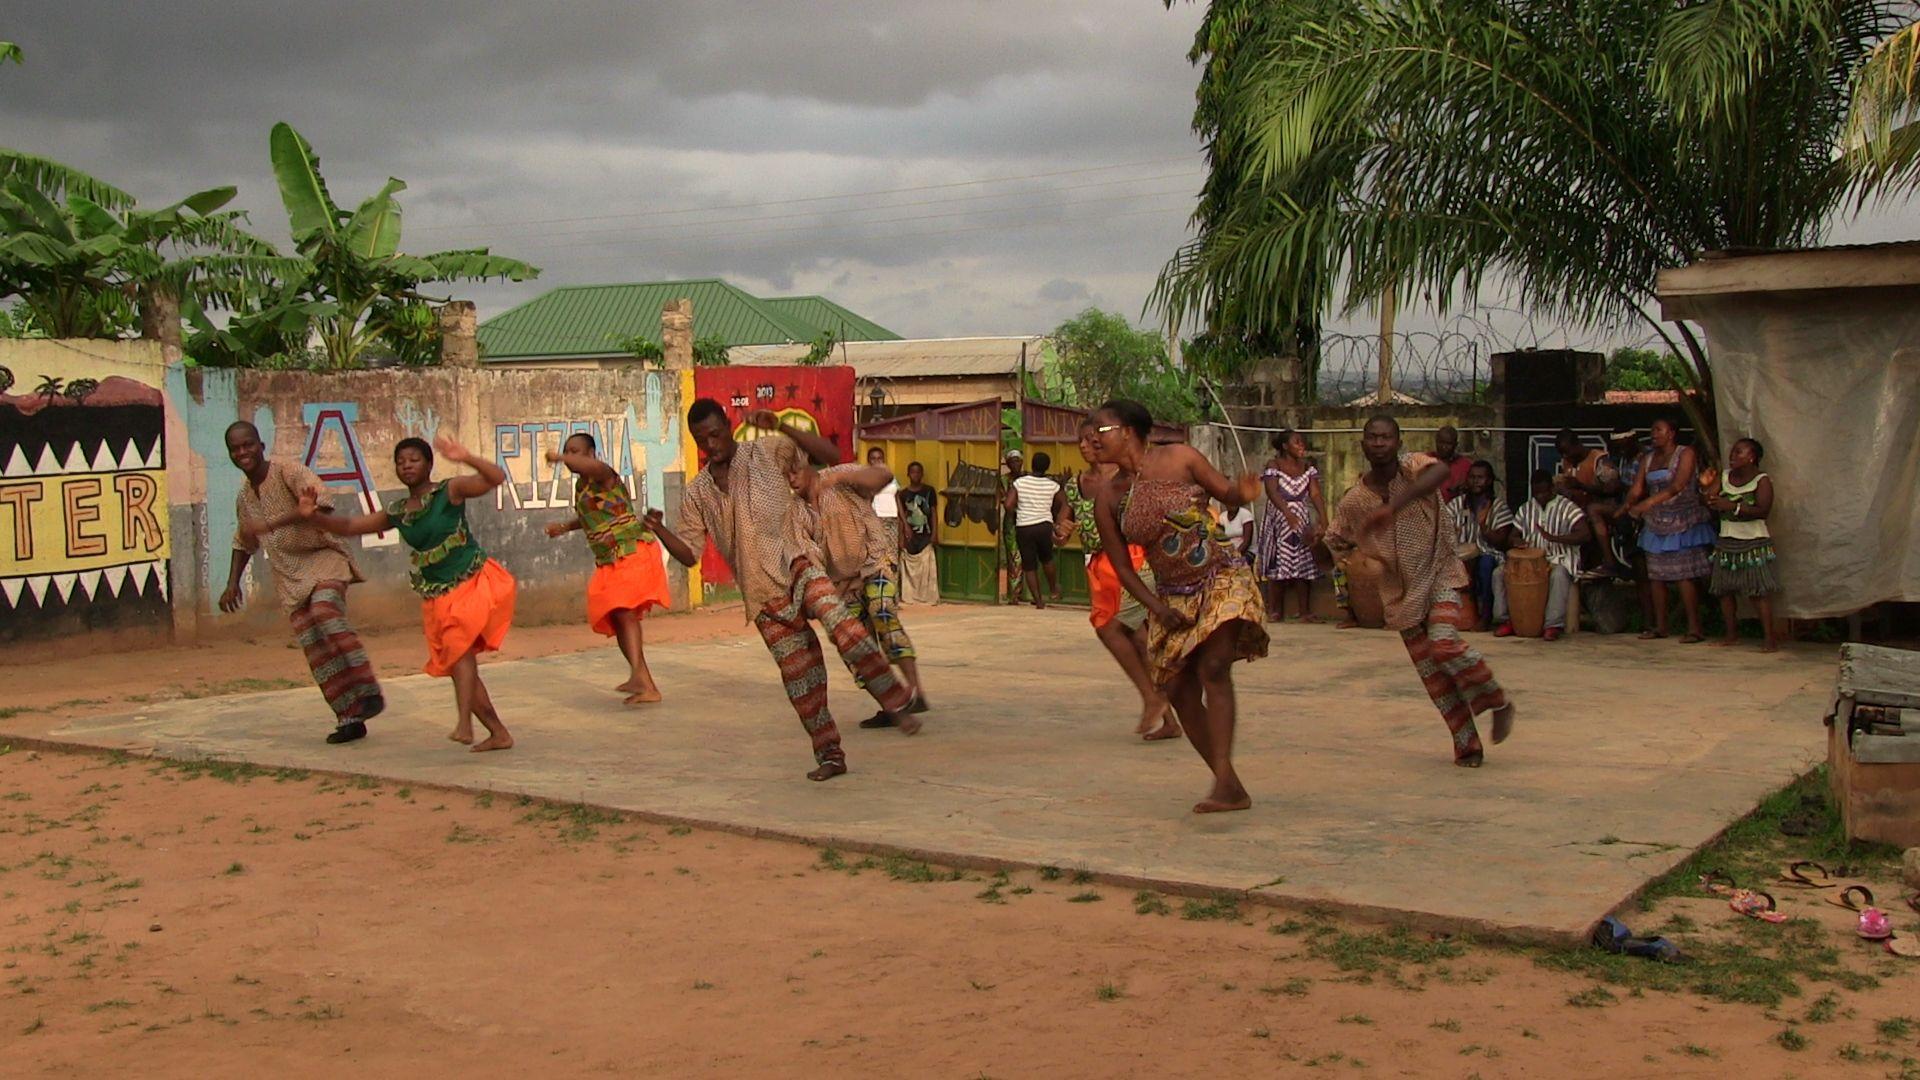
pixel 946 167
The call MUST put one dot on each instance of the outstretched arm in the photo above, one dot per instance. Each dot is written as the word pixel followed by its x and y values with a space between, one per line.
pixel 1238 492
pixel 585 466
pixel 485 477
pixel 867 479
pixel 810 443
pixel 309 511
pixel 686 543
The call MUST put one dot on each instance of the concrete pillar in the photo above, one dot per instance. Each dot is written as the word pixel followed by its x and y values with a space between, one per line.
pixel 459 347
pixel 676 334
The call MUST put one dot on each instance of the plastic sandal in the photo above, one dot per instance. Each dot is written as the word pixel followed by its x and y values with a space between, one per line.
pixel 1718 882
pixel 1853 898
pixel 1796 874
pixel 1613 936
pixel 1904 945
pixel 1755 904
pixel 1874 925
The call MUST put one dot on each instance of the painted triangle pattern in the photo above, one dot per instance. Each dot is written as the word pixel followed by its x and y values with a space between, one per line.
pixel 17 464
pixel 107 455
pixel 11 588
pixel 89 586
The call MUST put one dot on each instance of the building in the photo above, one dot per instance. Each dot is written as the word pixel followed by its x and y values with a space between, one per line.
pixel 586 325
pixel 896 377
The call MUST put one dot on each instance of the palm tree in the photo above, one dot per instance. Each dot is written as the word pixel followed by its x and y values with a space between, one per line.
pixel 1413 147
pixel 50 388
pixel 353 267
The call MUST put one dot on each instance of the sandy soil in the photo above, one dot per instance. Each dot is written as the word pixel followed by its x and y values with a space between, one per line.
pixel 165 920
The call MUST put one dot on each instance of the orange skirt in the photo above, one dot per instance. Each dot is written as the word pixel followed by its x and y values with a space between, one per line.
pixel 473 617
pixel 633 582
pixel 1103 584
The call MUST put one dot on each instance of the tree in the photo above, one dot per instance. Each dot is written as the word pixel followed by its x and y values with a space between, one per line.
pixel 820 351
pixel 1632 368
pixel 1413 147
pixel 1885 126
pixel 1102 357
pixel 354 270
pixel 710 351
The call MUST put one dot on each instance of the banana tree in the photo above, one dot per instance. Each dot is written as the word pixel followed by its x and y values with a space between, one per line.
pixel 354 260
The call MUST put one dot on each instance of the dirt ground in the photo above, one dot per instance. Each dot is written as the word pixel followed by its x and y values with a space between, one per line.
pixel 211 920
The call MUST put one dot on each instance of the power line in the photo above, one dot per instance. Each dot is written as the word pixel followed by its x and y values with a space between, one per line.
pixel 807 199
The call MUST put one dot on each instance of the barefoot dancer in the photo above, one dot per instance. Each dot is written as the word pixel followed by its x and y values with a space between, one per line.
pixel 1743 558
pixel 1119 620
pixel 311 571
pixel 834 525
pixel 628 574
pixel 1204 601
pixel 466 599
pixel 740 499
pixel 1394 514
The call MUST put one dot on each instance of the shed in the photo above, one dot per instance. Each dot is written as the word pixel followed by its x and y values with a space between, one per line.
pixel 903 376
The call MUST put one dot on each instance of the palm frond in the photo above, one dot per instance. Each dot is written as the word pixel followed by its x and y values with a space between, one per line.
pixel 57 181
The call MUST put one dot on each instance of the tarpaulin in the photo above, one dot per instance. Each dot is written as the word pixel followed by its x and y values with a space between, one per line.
pixel 816 399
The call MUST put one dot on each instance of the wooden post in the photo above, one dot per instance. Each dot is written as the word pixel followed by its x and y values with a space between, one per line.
pixel 1389 302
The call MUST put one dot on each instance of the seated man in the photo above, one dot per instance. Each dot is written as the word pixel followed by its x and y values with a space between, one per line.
pixel 1483 529
pixel 1555 525
pixel 1588 479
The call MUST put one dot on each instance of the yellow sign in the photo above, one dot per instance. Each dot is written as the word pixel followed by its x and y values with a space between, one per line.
pixel 75 523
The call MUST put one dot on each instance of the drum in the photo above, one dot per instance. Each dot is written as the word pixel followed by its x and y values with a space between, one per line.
pixel 1364 575
pixel 1528 575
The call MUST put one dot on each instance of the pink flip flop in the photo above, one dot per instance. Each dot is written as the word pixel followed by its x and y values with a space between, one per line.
pixel 1755 905
pixel 1874 926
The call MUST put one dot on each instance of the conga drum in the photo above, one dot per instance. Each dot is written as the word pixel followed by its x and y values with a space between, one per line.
pixel 1527 578
pixel 1364 575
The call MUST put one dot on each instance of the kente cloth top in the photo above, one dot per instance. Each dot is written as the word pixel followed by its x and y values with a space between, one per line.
pixel 300 556
pixel 606 515
pixel 1183 545
pixel 842 535
pixel 1081 507
pixel 1559 516
pixel 745 521
pixel 444 552
pixel 1743 494
pixel 1417 549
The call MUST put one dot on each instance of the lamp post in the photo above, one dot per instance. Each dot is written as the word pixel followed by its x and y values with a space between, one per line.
pixel 876 398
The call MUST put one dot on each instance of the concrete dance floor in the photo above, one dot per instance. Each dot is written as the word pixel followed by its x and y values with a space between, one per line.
pixel 1627 756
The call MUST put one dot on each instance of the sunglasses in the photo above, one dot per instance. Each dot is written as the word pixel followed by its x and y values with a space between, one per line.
pixel 1102 429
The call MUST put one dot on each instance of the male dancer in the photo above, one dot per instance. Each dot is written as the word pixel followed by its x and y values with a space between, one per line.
pixel 311 571
pixel 740 499
pixel 1394 515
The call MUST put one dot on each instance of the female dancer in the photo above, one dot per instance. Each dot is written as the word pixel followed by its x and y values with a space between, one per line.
pixel 1678 532
pixel 1118 619
pixel 1743 556
pixel 1283 547
pixel 1205 603
pixel 466 598
pixel 629 575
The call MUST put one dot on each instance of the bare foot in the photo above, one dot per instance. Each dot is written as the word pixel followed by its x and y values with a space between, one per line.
pixel 462 733
pixel 1211 805
pixel 1472 761
pixel 1502 723
pixel 1312 619
pixel 828 770
pixel 500 741
pixel 1151 713
pixel 1346 624
pixel 643 697
pixel 1169 729
pixel 631 686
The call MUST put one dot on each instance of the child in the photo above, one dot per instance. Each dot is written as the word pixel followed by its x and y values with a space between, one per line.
pixel 466 598
pixel 1743 555
pixel 629 575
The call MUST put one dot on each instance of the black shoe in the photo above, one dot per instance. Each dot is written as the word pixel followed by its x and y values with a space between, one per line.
pixel 372 707
pixel 919 704
pixel 346 733
pixel 881 719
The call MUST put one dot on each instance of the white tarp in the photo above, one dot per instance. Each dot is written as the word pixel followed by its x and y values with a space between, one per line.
pixel 1829 383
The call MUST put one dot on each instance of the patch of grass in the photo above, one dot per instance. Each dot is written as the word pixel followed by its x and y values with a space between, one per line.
pixel 460 834
pixel 116 1003
pixel 1262 1033
pixel 1084 898
pixel 1357 1018
pixel 1219 908
pixel 483 800
pixel 1791 1039
pixel 1851 1052
pixel 1452 1026
pixel 1894 1028
pixel 575 823
pixel 1082 877
pixel 324 1012
pixel 1146 902
pixel 702 984
pixel 236 868
pixel 1109 992
pixel 1756 963
pixel 1593 997
pixel 1823 1008
pixel 679 830
pixel 1294 987
pixel 10 712
pixel 1693 1050
pixel 1378 951
pixel 1049 873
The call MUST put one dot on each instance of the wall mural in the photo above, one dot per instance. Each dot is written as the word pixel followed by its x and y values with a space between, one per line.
pixel 83 502
pixel 334 454
pixel 638 444
pixel 206 419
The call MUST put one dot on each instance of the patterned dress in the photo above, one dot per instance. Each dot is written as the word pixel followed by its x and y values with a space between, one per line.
pixel 1280 550
pixel 1196 572
pixel 629 573
pixel 466 599
pixel 1678 535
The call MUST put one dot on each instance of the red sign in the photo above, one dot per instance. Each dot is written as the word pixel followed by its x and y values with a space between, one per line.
pixel 808 398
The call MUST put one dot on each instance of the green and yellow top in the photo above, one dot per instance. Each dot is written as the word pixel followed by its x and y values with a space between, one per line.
pixel 607 517
pixel 444 552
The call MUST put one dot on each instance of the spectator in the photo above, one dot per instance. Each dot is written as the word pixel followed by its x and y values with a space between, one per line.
pixel 1035 499
pixel 1446 447
pixel 1483 529
pixel 886 504
pixel 1295 515
pixel 1676 531
pixel 919 540
pixel 1743 556
pixel 1552 523
pixel 1583 477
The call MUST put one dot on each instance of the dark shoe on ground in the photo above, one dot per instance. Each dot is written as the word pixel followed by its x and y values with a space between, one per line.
pixel 1506 630
pixel 1553 633
pixel 347 733
pixel 881 719
pixel 919 705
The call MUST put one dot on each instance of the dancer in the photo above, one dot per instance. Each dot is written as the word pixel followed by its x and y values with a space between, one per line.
pixel 1296 509
pixel 1394 515
pixel 629 576
pixel 834 525
pixel 1119 620
pixel 1204 601
pixel 1676 531
pixel 466 598
pixel 1743 557
pixel 740 498
pixel 311 571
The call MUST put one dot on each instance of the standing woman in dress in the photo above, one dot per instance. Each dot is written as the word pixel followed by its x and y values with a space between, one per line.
pixel 1677 533
pixel 1743 557
pixel 1283 545
pixel 466 598
pixel 1205 604
pixel 629 574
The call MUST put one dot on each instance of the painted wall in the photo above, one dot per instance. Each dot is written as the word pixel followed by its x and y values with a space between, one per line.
pixel 150 548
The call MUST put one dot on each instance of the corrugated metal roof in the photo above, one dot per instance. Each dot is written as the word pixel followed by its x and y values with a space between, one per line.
pixel 591 320
pixel 824 315
pixel 913 359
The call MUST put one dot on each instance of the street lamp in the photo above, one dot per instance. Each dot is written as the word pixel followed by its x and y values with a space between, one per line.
pixel 876 397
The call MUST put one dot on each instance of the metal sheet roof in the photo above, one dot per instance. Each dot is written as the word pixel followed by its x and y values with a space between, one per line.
pixel 913 358
pixel 826 316
pixel 591 320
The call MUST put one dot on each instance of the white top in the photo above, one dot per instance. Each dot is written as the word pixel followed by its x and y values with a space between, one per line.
pixel 1734 528
pixel 1559 516
pixel 885 504
pixel 1237 523
pixel 1034 499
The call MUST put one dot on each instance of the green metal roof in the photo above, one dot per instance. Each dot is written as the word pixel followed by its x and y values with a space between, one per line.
pixel 825 315
pixel 591 320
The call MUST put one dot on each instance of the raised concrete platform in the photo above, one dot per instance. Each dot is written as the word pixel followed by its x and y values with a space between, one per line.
pixel 1628 755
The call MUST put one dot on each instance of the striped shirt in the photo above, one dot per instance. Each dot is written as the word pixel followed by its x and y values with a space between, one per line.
pixel 1466 522
pixel 1034 503
pixel 1559 516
